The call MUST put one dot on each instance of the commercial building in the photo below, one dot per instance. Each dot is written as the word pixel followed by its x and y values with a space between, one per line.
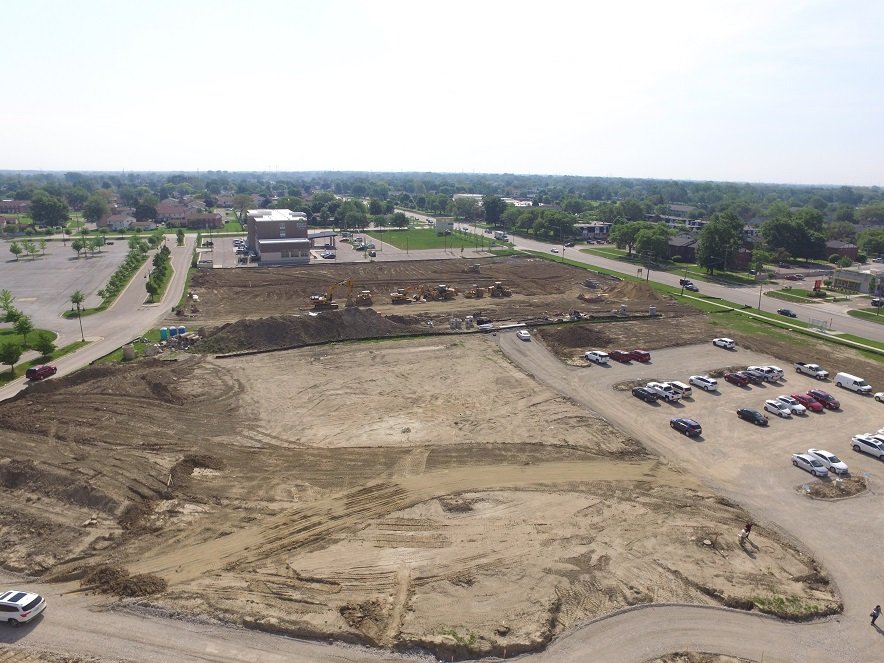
pixel 279 236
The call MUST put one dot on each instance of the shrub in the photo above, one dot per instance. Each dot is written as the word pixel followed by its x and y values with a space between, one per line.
pixel 676 258
pixel 862 258
pixel 834 258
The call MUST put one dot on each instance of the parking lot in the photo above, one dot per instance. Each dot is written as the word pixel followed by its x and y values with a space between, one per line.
pixel 43 286
pixel 729 449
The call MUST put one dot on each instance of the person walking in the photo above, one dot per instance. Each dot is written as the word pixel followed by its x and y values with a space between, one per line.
pixel 875 614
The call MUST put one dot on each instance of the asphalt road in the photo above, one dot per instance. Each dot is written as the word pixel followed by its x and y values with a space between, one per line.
pixel 127 317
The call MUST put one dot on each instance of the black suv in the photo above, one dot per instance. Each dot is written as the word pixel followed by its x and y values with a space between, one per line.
pixel 646 395
pixel 753 416
pixel 687 426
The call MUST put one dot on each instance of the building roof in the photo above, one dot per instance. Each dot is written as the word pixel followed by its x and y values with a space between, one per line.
pixel 682 241
pixel 277 215
pixel 838 244
pixel 322 233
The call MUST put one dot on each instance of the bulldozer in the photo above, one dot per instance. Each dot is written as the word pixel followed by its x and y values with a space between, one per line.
pixel 362 298
pixel 412 293
pixel 475 267
pixel 498 290
pixel 474 292
pixel 442 292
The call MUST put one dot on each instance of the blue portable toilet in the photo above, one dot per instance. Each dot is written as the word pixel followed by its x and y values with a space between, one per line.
pixel 182 330
pixel 173 331
pixel 164 333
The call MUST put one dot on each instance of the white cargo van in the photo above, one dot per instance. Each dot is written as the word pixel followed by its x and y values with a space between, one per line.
pixel 680 388
pixel 848 381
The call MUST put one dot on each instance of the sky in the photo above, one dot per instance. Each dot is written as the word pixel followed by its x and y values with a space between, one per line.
pixel 755 91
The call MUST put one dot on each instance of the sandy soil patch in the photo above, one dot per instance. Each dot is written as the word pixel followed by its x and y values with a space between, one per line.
pixel 421 493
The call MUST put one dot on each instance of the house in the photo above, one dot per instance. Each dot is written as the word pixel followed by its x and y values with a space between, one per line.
pixel 118 213
pixel 171 212
pixel 15 206
pixel 278 236
pixel 117 221
pixel 203 219
pixel 841 248
pixel 598 230
pixel 683 246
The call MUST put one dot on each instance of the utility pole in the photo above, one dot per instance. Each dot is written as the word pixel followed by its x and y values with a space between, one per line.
pixel 760 286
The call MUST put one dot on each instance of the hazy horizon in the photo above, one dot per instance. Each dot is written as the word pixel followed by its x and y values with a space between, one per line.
pixel 783 93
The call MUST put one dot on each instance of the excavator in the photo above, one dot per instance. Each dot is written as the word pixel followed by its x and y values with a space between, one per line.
pixel 325 301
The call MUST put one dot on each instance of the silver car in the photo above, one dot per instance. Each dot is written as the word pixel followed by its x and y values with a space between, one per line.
pixel 829 460
pixel 810 464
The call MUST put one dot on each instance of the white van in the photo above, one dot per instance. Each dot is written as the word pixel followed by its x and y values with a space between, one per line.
pixel 848 381
pixel 682 389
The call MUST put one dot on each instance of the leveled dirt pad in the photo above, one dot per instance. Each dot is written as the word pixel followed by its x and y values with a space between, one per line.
pixel 540 289
pixel 412 493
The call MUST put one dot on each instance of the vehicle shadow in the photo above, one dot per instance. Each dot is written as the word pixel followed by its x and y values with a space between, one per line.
pixel 715 393
pixel 10 635
pixel 678 404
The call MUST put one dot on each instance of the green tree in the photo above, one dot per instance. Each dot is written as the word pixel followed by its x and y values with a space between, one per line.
pixel 375 207
pixel 719 241
pixel 465 208
pixel 653 240
pixel 152 288
pixel 44 345
pixel 494 208
pixel 179 236
pixel 30 248
pixel 23 326
pixel 873 213
pixel 95 208
pixel 399 220
pixel 241 203
pixel 48 210
pixel 844 261
pixel 15 249
pixel 78 245
pixel 6 300
pixel 10 353
pixel 624 234
pixel 631 209
pixel 42 242
pixel 841 230
pixel 871 241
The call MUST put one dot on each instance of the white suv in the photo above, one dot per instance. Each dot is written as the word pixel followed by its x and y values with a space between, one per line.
pixel 663 390
pixel 597 356
pixel 704 382
pixel 20 607
pixel 870 444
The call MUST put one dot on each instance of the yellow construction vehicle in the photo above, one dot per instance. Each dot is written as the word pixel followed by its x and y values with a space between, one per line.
pixel 498 290
pixel 442 292
pixel 412 293
pixel 474 292
pixel 326 300
pixel 362 298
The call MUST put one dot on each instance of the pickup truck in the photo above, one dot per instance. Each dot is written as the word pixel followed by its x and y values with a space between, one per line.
pixel 813 370
pixel 663 390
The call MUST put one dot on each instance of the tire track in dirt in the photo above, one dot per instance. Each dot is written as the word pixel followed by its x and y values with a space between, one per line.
pixel 353 509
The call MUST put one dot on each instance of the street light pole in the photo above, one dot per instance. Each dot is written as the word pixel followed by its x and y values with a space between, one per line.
pixel 80 320
pixel 760 286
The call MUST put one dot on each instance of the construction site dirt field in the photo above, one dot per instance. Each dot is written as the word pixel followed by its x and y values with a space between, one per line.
pixel 540 289
pixel 419 494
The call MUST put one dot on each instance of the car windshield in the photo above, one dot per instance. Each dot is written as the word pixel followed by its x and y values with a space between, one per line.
pixel 833 459
pixel 815 462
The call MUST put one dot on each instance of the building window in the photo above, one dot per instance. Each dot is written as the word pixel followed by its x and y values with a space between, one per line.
pixel 282 230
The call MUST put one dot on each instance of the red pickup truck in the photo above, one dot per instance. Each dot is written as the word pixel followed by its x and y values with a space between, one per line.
pixel 40 372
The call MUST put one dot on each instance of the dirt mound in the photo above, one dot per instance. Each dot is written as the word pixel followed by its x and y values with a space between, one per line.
pixel 115 580
pixel 633 291
pixel 840 487
pixel 291 331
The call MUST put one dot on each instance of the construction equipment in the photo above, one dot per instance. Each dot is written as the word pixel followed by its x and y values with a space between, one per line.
pixel 412 293
pixel 475 267
pixel 325 301
pixel 442 292
pixel 474 292
pixel 362 298
pixel 498 290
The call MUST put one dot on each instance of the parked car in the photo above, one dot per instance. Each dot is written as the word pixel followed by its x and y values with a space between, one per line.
pixel 809 402
pixel 691 287
pixel 756 376
pixel 752 416
pixel 879 396
pixel 597 356
pixel 853 383
pixel 789 313
pixel 829 460
pixel 684 281
pixel 40 372
pixel 372 253
pixel 621 356
pixel 736 378
pixel 328 255
pixel 663 390
pixel 640 355
pixel 683 390
pixel 704 382
pixel 726 343
pixel 869 444
pixel 554 250
pixel 17 607
pixel 569 244
pixel 827 400
pixel 644 394
pixel 794 406
pixel 687 426
pixel 814 370
pixel 778 408
pixel 523 334
pixel 810 464
pixel 780 373
pixel 767 373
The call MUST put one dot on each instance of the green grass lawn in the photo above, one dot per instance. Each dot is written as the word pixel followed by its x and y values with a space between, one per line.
pixel 871 314
pixel 152 335
pixel 416 239
pixel 694 271
pixel 9 336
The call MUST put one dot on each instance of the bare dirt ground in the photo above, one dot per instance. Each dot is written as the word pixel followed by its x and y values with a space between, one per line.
pixel 419 493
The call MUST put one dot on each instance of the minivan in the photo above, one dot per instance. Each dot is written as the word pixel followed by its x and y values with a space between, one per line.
pixel 848 381
pixel 682 389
